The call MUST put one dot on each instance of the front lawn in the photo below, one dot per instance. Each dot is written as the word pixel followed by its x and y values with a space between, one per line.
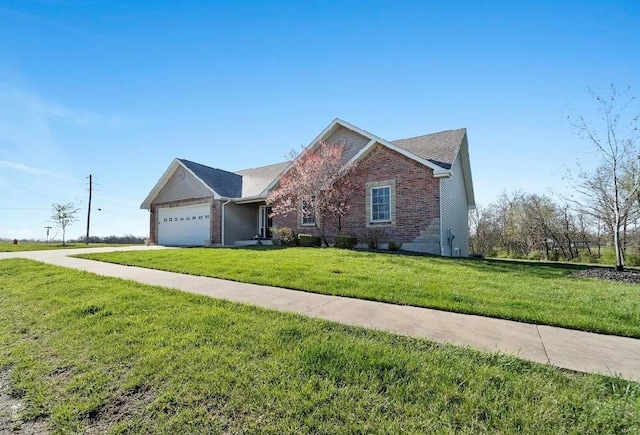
pixel 529 292
pixel 97 354
pixel 40 246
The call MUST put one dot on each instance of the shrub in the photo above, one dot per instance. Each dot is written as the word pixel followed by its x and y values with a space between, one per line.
pixel 632 260
pixel 374 237
pixel 585 257
pixel 491 253
pixel 309 240
pixel 535 255
pixel 394 245
pixel 284 236
pixel 345 242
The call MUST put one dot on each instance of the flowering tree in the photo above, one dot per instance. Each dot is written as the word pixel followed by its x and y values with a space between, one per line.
pixel 317 185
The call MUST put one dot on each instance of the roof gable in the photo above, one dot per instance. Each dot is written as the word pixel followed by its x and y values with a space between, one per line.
pixel 439 148
pixel 256 180
pixel 216 181
pixel 224 183
pixel 416 148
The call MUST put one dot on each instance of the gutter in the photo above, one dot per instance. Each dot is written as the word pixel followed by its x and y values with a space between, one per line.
pixel 442 174
pixel 222 229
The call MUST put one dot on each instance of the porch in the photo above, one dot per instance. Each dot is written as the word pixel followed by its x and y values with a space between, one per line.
pixel 245 224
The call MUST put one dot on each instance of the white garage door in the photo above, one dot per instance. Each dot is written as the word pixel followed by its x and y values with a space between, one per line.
pixel 184 226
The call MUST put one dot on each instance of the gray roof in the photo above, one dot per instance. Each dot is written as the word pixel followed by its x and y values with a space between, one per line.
pixel 439 148
pixel 256 180
pixel 225 183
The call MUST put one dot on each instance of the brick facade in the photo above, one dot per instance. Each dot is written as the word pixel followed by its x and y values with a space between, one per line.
pixel 216 222
pixel 416 196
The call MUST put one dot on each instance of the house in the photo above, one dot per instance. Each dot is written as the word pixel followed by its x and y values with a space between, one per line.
pixel 422 189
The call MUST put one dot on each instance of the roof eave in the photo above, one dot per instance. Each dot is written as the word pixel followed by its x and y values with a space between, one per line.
pixel 466 171
pixel 249 199
pixel 438 171
pixel 146 204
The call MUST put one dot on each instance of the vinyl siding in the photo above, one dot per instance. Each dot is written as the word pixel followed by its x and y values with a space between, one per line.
pixel 454 212
pixel 177 189
pixel 354 141
pixel 240 222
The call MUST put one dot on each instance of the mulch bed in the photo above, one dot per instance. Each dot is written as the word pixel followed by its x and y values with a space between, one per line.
pixel 628 276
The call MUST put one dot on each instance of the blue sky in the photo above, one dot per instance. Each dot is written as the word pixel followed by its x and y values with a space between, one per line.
pixel 118 89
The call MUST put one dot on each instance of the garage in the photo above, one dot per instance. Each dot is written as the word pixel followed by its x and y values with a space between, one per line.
pixel 184 226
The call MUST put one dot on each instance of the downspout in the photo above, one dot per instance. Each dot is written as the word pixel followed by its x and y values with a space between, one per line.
pixel 440 210
pixel 222 229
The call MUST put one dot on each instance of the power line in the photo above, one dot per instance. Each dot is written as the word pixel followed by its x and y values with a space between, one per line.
pixel 23 208
pixel 29 190
pixel 118 214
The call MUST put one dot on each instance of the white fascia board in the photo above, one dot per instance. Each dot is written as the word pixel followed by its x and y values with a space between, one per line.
pixel 146 204
pixel 216 195
pixel 328 131
pixel 463 155
pixel 249 199
pixel 273 183
pixel 438 172
pixel 466 171
pixel 335 124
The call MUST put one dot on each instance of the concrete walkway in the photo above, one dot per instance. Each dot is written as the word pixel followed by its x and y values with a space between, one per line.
pixel 575 350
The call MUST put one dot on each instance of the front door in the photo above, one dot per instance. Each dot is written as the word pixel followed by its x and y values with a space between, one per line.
pixel 265 222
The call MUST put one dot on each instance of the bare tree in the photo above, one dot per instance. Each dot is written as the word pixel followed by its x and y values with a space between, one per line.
pixel 317 186
pixel 610 192
pixel 484 235
pixel 64 215
pixel 529 225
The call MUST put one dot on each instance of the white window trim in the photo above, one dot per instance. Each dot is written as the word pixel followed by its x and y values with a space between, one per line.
pixel 307 224
pixel 303 217
pixel 379 221
pixel 391 183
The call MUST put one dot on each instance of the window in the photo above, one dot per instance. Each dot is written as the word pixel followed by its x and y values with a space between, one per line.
pixel 381 204
pixel 307 218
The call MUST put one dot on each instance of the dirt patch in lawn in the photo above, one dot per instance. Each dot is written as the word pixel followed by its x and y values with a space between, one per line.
pixel 124 408
pixel 11 408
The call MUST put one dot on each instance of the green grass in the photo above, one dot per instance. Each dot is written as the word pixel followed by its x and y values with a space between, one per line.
pixel 40 246
pixel 90 352
pixel 523 291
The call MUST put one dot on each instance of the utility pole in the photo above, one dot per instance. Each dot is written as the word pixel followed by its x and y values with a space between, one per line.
pixel 89 207
pixel 47 239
